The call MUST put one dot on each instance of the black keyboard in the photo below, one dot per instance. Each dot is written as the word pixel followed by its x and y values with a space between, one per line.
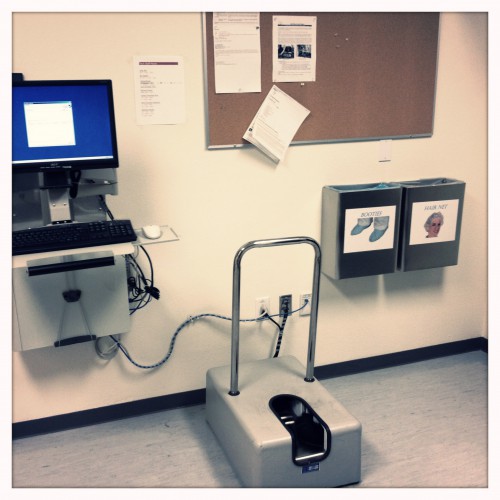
pixel 71 235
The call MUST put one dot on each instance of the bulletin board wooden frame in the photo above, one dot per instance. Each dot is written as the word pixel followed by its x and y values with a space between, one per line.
pixel 375 79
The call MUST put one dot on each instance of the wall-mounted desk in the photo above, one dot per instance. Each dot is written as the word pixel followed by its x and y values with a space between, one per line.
pixel 71 296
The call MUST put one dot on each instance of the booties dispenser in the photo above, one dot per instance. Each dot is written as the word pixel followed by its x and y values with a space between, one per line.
pixel 278 426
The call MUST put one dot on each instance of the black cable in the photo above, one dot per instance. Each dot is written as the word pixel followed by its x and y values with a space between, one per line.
pixel 105 206
pixel 74 176
pixel 141 297
pixel 151 289
pixel 270 318
pixel 280 338
pixel 137 294
pixel 281 331
pixel 188 321
pixel 141 289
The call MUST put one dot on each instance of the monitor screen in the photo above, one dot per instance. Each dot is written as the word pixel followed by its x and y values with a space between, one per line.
pixel 63 125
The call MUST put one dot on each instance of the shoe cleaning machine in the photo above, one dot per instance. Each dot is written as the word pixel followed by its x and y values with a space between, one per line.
pixel 277 427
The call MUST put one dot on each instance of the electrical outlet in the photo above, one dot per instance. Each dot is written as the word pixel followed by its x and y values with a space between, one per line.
pixel 305 311
pixel 285 300
pixel 262 306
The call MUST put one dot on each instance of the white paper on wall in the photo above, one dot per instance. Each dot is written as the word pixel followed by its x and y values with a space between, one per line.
pixel 159 90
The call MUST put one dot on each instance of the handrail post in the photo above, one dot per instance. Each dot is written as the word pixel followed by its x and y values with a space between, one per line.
pixel 313 323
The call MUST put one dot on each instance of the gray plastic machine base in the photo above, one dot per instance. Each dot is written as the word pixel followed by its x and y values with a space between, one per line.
pixel 264 443
pixel 277 424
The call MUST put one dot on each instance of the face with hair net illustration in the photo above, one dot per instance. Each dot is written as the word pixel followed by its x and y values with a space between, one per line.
pixel 433 224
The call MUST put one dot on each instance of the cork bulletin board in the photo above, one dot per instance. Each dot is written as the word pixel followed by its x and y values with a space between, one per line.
pixel 375 79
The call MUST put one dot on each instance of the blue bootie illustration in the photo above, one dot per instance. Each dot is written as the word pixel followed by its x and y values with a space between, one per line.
pixel 379 228
pixel 362 224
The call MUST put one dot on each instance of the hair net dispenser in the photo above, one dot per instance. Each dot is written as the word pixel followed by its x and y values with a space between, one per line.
pixel 278 426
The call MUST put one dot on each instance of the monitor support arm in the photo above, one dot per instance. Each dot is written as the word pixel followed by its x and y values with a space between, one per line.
pixel 55 193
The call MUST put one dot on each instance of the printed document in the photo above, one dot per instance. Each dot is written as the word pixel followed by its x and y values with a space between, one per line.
pixel 276 123
pixel 294 48
pixel 237 52
pixel 160 90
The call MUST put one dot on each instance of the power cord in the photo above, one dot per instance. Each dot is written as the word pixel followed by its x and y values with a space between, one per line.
pixel 74 176
pixel 141 289
pixel 192 319
pixel 105 206
pixel 281 329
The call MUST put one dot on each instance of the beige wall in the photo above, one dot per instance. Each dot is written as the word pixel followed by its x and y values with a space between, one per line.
pixel 218 200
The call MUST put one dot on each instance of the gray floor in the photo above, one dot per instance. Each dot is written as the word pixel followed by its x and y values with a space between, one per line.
pixel 424 425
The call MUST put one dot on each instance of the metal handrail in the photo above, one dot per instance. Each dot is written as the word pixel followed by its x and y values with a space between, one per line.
pixel 235 327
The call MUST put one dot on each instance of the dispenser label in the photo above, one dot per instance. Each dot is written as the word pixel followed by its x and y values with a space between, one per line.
pixel 433 221
pixel 314 467
pixel 369 228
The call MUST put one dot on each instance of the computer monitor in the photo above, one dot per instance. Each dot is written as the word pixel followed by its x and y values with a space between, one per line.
pixel 63 126
pixel 62 132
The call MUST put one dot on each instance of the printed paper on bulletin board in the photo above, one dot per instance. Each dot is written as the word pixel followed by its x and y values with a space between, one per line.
pixel 375 78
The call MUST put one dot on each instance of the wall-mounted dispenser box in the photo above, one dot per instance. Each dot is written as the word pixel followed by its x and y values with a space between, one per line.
pixel 431 223
pixel 360 229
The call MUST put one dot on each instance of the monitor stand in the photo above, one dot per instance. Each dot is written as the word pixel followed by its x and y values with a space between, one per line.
pixel 55 191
